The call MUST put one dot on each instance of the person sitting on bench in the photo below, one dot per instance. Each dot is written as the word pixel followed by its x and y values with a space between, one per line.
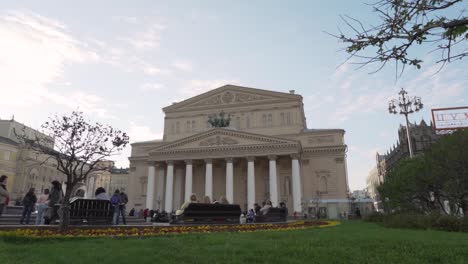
pixel 193 199
pixel 223 200
pixel 266 208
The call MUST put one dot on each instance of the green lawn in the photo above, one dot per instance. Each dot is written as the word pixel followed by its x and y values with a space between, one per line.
pixel 350 242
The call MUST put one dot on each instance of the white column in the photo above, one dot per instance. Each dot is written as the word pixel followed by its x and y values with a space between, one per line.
pixel 150 185
pixel 169 186
pixel 160 186
pixel 296 184
pixel 91 183
pixel 250 182
pixel 188 179
pixel 273 181
pixel 209 178
pixel 229 180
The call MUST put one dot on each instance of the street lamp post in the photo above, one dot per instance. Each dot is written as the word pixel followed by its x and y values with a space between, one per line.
pixel 406 106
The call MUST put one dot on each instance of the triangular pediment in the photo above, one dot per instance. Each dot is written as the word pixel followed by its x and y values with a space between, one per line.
pixel 221 137
pixel 231 95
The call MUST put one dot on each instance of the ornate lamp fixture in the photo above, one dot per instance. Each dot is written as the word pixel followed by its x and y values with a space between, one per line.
pixel 406 106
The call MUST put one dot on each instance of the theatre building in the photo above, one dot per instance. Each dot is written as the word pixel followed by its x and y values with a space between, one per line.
pixel 266 153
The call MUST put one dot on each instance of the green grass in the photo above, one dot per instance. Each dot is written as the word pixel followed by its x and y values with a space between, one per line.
pixel 351 242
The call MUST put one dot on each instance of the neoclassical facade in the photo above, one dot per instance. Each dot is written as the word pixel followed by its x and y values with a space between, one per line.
pixel 267 153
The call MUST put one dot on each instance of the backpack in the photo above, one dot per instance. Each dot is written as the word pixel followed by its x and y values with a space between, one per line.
pixel 115 199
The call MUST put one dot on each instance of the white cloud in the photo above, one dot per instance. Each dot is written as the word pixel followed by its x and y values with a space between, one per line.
pixel 195 87
pixel 33 53
pixel 183 65
pixel 151 87
pixel 148 39
pixel 142 133
pixel 153 70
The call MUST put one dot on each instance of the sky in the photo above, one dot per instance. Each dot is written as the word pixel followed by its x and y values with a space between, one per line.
pixel 120 62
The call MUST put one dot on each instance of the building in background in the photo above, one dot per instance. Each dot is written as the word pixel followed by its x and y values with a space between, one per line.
pixel 111 179
pixel 24 168
pixel 266 153
pixel 422 136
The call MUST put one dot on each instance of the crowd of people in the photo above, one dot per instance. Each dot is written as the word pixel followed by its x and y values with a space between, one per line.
pixel 46 203
pixel 162 216
pixel 47 211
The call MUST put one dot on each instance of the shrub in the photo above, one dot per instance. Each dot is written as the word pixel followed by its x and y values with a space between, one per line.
pixel 446 222
pixel 406 220
pixel 434 221
pixel 375 217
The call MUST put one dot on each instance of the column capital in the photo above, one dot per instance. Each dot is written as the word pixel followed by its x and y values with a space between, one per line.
pixel 250 158
pixel 169 162
pixel 188 162
pixel 229 159
pixel 272 157
pixel 295 156
pixel 151 163
pixel 208 160
pixel 159 165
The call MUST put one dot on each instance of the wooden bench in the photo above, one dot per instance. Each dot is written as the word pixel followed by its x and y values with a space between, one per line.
pixel 91 212
pixel 201 213
pixel 273 215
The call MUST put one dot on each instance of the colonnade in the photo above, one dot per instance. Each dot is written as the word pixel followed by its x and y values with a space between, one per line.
pixel 229 191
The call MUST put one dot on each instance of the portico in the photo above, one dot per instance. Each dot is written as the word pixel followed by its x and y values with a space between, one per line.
pixel 237 157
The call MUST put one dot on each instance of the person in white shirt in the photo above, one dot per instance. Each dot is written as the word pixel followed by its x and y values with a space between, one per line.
pixel 41 206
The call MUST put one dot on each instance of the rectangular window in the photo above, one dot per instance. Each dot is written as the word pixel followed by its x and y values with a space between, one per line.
pixel 270 120
pixel 7 155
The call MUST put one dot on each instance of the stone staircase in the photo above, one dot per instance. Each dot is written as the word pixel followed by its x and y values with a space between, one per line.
pixel 12 216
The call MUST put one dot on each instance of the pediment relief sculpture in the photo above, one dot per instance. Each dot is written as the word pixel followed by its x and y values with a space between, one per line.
pixel 229 97
pixel 218 140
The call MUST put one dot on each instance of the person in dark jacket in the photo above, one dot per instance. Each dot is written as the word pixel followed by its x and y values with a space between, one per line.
pixel 115 202
pixel 4 195
pixel 55 198
pixel 29 202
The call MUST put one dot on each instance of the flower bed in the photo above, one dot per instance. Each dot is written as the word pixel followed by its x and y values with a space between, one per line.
pixel 166 230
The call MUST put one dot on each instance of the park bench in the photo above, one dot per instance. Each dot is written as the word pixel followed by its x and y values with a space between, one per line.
pixel 273 215
pixel 202 213
pixel 91 212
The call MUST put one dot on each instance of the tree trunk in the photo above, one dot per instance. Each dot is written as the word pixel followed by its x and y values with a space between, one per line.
pixel 65 212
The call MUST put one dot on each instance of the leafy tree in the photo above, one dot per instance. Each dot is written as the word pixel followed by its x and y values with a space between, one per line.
pixel 449 159
pixel 423 183
pixel 407 23
pixel 78 150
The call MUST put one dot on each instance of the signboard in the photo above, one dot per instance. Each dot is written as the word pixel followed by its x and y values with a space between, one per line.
pixel 450 118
